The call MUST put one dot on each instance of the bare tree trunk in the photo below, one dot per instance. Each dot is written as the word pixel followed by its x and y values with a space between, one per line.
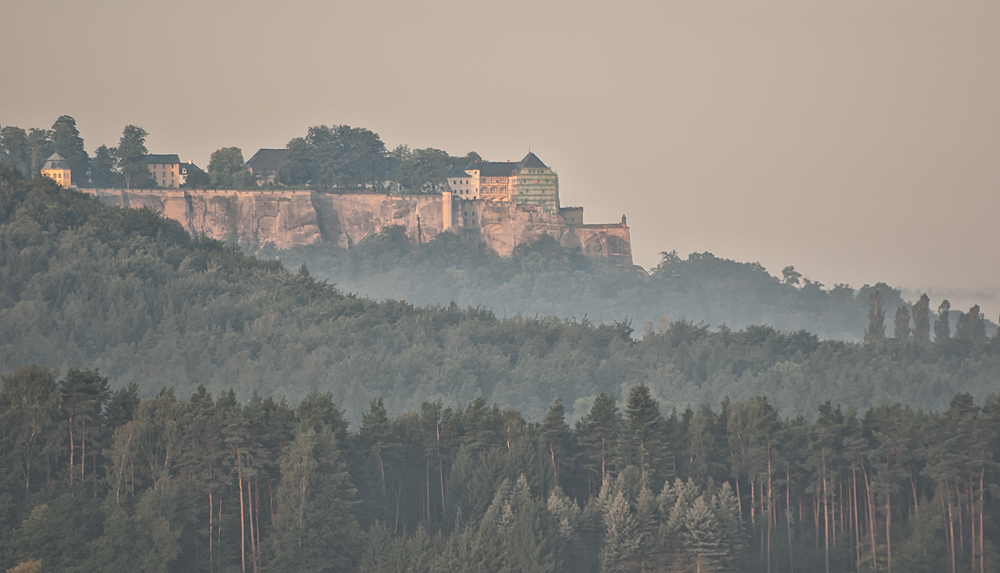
pixel 253 543
pixel 826 519
pixel 399 494
pixel 256 489
pixel 951 526
pixel 739 499
pixel 83 451
pixel 604 472
pixel 961 510
pixel 972 523
pixel 982 562
pixel 888 539
pixel 243 521
pixel 770 505
pixel 381 464
pixel 440 464
pixel 857 526
pixel 211 532
pixel 788 518
pixel 870 509
pixel 72 446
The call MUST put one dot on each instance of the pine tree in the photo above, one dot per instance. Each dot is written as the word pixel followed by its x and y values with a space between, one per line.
pixel 315 529
pixel 597 434
pixel 701 536
pixel 644 444
pixel 621 538
pixel 556 438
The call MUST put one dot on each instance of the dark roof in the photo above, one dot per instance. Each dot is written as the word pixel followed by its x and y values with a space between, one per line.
pixel 55 161
pixel 266 160
pixel 190 167
pixel 494 168
pixel 456 171
pixel 532 160
pixel 163 158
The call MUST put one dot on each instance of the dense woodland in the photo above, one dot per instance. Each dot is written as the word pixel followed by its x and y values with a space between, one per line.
pixel 84 285
pixel 169 403
pixel 100 480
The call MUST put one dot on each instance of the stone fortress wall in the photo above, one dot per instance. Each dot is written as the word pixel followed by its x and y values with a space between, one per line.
pixel 288 218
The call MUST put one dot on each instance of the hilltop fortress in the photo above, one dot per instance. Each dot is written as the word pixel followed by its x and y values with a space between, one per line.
pixel 498 205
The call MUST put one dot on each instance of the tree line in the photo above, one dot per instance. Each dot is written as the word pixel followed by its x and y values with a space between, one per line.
pixel 96 479
pixel 337 157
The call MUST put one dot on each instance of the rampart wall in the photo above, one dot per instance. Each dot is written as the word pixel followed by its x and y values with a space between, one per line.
pixel 288 218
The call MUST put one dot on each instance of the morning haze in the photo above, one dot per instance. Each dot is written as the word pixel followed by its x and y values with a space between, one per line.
pixel 855 140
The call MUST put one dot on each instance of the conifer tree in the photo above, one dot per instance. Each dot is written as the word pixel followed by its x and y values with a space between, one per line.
pixel 621 538
pixel 644 443
pixel 701 536
pixel 556 437
pixel 598 434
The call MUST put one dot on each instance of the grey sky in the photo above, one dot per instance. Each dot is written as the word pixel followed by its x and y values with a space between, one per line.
pixel 857 140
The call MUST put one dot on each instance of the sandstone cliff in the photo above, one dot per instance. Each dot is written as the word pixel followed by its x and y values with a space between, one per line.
pixel 290 218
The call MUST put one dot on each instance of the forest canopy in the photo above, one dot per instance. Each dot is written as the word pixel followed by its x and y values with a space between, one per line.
pixel 101 480
pixel 84 285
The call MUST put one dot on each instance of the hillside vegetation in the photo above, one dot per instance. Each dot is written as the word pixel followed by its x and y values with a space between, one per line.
pixel 546 279
pixel 131 294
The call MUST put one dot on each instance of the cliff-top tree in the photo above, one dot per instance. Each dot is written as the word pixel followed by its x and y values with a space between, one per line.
pixel 67 142
pixel 14 144
pixel 132 157
pixel 225 169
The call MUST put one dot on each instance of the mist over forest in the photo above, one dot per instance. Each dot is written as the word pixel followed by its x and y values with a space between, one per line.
pixel 546 279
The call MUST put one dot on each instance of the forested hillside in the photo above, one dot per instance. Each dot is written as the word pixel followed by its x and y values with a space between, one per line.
pixel 548 280
pixel 124 291
pixel 99 480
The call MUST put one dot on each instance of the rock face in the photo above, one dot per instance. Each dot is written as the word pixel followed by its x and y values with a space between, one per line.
pixel 290 218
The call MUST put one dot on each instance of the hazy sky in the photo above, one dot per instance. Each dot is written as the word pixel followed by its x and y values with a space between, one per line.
pixel 856 140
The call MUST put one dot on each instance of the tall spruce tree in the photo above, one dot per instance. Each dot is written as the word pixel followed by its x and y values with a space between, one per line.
pixel 597 434
pixel 644 444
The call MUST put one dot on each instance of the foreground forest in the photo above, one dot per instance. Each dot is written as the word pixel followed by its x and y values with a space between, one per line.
pixel 98 480
pixel 84 285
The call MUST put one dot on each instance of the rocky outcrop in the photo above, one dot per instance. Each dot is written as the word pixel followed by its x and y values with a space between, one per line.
pixel 289 218
pixel 282 218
